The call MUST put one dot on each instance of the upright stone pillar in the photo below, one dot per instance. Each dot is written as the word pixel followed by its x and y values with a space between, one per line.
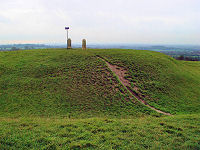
pixel 69 43
pixel 84 44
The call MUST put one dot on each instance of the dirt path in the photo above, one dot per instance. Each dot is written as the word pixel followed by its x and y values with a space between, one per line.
pixel 120 73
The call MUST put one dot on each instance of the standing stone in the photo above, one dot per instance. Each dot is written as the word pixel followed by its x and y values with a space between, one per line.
pixel 69 43
pixel 84 44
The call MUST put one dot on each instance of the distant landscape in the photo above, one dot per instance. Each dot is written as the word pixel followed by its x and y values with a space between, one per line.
pixel 184 52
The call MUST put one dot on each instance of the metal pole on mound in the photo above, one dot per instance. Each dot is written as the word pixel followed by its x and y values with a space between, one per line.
pixel 68 40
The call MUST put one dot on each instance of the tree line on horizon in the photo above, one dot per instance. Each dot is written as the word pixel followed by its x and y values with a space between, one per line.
pixel 187 58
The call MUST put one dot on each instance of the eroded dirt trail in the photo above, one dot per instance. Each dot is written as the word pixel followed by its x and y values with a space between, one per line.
pixel 120 73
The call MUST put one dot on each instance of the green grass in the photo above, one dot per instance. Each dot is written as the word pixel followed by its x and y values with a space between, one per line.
pixel 178 132
pixel 60 82
pixel 69 99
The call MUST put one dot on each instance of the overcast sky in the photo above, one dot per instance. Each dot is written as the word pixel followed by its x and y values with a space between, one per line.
pixel 100 21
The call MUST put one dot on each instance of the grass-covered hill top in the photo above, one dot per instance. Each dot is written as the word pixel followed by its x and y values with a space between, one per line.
pixel 77 83
pixel 70 99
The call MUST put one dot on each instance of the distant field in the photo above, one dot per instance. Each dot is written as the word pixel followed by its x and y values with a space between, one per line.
pixel 70 99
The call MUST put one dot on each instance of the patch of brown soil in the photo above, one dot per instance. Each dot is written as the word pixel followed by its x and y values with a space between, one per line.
pixel 120 72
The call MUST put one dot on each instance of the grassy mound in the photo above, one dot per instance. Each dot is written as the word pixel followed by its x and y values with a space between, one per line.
pixel 60 82
pixel 70 99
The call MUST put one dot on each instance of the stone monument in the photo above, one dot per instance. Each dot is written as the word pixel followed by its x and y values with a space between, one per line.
pixel 69 43
pixel 84 44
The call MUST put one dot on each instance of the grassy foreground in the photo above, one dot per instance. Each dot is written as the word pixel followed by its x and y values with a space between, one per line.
pixel 69 99
pixel 179 132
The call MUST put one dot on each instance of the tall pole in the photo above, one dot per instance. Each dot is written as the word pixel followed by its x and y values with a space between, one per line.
pixel 67 28
pixel 67 38
pixel 67 34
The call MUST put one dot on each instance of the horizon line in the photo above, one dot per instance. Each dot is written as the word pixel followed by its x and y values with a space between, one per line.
pixel 160 44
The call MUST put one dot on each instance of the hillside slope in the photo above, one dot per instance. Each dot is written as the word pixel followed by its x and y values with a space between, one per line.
pixel 77 83
pixel 163 82
pixel 74 99
pixel 61 83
